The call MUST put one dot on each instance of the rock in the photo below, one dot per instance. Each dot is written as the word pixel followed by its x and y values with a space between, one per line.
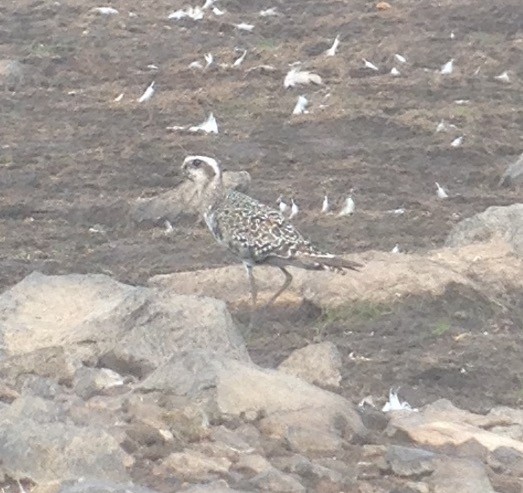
pixel 219 486
pixel 297 464
pixel 444 425
pixel 131 330
pixel 387 277
pixel 507 461
pixel 191 465
pixel 183 200
pixel 252 464
pixel 53 362
pixel 11 74
pixel 319 364
pixel 409 461
pixel 312 441
pixel 513 174
pixel 94 486
pixel 274 480
pixel 93 381
pixel 37 443
pixel 463 475
pixel 504 221
pixel 294 410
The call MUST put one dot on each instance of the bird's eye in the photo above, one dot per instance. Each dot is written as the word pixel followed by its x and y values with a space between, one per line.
pixel 197 163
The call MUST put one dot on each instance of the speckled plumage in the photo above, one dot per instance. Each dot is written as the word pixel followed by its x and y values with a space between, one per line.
pixel 254 232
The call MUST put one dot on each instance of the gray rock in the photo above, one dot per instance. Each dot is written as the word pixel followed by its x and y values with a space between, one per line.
pixel 183 200
pixel 94 486
pixel 219 486
pixel 409 461
pixel 38 443
pixel 513 174
pixel 92 381
pixel 319 364
pixel 53 362
pixel 506 221
pixel 294 409
pixel 192 465
pixel 125 328
pixel 274 480
pixel 463 475
pixel 11 74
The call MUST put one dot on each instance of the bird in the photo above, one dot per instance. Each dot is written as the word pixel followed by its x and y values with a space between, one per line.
pixel 294 209
pixel 255 233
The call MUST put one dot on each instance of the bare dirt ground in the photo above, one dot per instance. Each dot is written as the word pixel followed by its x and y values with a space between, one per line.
pixel 72 159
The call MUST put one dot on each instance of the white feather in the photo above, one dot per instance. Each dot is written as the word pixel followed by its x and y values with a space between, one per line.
pixel 269 12
pixel 294 209
pixel 348 208
pixel 332 50
pixel 106 10
pixel 209 126
pixel 370 65
pixel 216 11
pixel 243 26
pixel 301 105
pixel 325 207
pixel 400 58
pixel 118 98
pixel 395 72
pixel 503 77
pixel 240 60
pixel 457 142
pixel 300 77
pixel 396 249
pixel 148 94
pixel 394 403
pixel 440 192
pixel 208 59
pixel 448 68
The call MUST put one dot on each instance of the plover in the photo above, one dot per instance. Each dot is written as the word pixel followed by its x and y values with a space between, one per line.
pixel 254 232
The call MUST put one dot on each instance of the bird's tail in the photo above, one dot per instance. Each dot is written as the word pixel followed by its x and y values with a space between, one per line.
pixel 324 262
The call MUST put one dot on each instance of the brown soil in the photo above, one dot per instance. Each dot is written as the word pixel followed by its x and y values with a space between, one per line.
pixel 73 159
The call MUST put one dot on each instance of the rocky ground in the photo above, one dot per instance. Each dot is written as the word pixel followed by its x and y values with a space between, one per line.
pixel 117 383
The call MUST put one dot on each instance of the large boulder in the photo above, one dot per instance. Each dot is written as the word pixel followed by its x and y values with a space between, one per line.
pixel 39 443
pixel 384 277
pixel 125 328
pixel 504 221
pixel 291 409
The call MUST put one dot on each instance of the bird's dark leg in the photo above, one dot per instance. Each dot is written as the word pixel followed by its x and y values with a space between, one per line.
pixel 288 280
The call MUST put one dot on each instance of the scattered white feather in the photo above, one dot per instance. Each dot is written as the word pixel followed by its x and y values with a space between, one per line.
pixel 396 249
pixel 300 77
pixel 503 77
pixel 325 206
pixel 394 72
pixel 148 94
pixel 208 4
pixel 452 35
pixel 301 106
pixel 194 13
pixel 394 403
pixel 294 209
pixel 209 126
pixel 442 126
pixel 457 142
pixel 208 59
pixel 397 212
pixel 133 14
pixel 400 58
pixel 196 64
pixel 370 65
pixel 282 205
pixel 348 208
pixel 440 192
pixel 332 50
pixel 462 102
pixel 152 66
pixel 240 60
pixel 106 10
pixel 118 98
pixel 269 12
pixel 168 228
pixel 243 26
pixel 448 68
pixel 216 11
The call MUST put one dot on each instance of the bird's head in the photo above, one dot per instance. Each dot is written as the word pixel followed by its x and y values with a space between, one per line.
pixel 201 169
